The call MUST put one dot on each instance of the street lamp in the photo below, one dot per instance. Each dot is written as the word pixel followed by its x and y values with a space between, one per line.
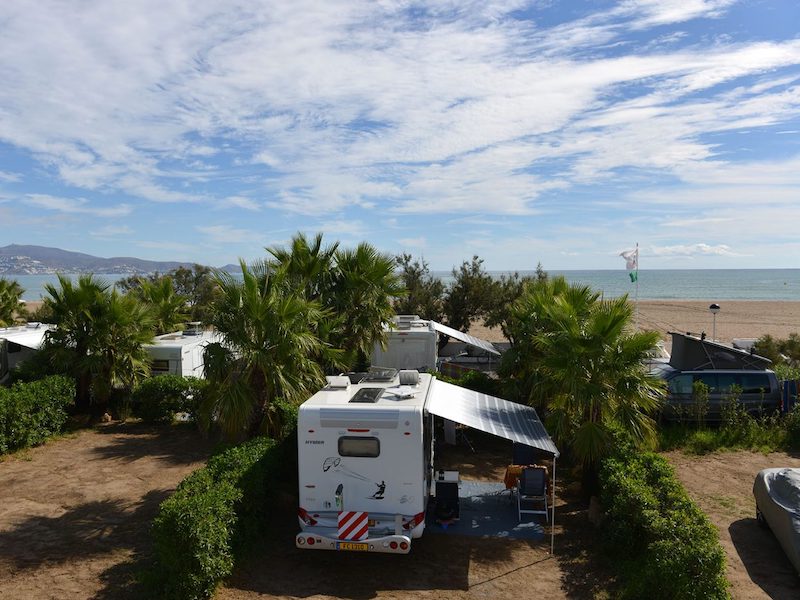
pixel 714 308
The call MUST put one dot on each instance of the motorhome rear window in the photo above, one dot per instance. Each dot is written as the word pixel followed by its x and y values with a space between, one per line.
pixel 362 447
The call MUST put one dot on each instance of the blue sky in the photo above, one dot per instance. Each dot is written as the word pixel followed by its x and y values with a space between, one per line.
pixel 552 131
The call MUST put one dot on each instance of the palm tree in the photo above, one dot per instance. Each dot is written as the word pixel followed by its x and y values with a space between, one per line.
pixel 11 307
pixel 361 296
pixel 581 360
pixel 117 357
pixel 169 307
pixel 355 287
pixel 98 339
pixel 269 349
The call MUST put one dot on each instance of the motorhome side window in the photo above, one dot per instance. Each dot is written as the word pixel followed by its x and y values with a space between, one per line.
pixel 362 447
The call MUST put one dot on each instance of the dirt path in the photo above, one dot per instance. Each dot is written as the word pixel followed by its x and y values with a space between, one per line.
pixel 722 485
pixel 444 567
pixel 75 513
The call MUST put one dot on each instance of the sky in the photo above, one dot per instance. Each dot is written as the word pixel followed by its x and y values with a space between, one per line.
pixel 547 131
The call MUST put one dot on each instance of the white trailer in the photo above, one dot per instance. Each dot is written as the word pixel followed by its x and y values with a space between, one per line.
pixel 413 343
pixel 365 455
pixel 20 343
pixel 181 352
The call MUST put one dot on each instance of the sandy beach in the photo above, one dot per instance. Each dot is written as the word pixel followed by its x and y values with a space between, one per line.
pixel 736 319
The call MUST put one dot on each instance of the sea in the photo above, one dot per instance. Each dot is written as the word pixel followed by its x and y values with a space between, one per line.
pixel 672 284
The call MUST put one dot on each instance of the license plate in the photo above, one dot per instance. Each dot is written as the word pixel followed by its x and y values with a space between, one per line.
pixel 352 546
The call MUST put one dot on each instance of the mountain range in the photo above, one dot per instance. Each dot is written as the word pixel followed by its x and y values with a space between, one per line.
pixel 16 259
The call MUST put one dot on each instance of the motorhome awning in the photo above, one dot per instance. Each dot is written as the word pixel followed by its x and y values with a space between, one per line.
pixel 502 418
pixel 463 337
pixel 31 337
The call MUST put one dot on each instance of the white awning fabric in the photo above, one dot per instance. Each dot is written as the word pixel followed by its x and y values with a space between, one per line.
pixel 502 418
pixel 463 337
pixel 28 337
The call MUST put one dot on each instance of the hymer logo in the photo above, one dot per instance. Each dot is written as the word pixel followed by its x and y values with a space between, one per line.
pixel 315 441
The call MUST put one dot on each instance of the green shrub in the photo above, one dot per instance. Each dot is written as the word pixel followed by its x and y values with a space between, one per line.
pixel 213 517
pixel 662 544
pixel 157 399
pixel 476 381
pixel 32 412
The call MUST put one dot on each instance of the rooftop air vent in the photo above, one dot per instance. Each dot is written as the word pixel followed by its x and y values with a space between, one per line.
pixel 193 328
pixel 367 395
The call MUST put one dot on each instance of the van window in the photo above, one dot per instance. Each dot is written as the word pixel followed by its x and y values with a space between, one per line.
pixel 681 384
pixel 755 383
pixel 363 447
pixel 750 383
pixel 710 379
pixel 727 380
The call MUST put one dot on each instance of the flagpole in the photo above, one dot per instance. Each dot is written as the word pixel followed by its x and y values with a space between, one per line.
pixel 636 303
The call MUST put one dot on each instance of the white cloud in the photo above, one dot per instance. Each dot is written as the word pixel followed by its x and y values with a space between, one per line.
pixel 226 234
pixel 413 244
pixel 111 231
pixel 689 250
pixel 76 206
pixel 8 177
pixel 242 202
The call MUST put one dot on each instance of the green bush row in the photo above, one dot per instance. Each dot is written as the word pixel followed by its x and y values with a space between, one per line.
pixel 32 412
pixel 662 544
pixel 213 517
pixel 157 399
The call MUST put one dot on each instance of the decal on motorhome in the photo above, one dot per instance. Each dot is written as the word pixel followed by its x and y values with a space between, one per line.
pixel 335 463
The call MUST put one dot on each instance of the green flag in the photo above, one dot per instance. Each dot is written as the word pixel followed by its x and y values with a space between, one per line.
pixel 634 275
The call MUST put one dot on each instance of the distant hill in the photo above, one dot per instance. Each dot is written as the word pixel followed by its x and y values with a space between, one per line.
pixel 17 259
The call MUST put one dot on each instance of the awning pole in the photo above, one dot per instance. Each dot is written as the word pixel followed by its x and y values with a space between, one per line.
pixel 553 510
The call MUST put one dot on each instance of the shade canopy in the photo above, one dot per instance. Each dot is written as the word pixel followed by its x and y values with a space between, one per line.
pixel 463 337
pixel 509 420
pixel 29 337
pixel 691 353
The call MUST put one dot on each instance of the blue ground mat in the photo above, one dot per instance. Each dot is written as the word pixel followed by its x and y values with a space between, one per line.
pixel 488 509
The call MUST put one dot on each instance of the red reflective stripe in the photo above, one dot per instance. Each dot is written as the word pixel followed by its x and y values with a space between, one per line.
pixel 358 430
pixel 353 525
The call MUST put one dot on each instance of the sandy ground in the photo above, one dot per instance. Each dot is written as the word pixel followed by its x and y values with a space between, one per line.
pixel 445 567
pixel 75 513
pixel 736 319
pixel 722 485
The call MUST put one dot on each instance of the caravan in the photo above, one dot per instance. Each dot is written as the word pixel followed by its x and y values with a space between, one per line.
pixel 20 343
pixel 181 352
pixel 413 343
pixel 366 455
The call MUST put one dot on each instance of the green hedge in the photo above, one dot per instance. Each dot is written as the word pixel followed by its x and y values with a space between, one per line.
pixel 158 398
pixel 32 412
pixel 214 516
pixel 663 546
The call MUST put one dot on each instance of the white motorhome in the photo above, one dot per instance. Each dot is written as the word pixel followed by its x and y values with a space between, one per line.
pixel 19 343
pixel 365 455
pixel 413 343
pixel 181 352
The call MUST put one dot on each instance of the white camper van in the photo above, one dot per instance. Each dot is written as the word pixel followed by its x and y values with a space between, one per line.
pixel 412 343
pixel 19 343
pixel 181 352
pixel 365 454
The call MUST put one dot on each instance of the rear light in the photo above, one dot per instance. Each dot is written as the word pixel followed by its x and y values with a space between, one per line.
pixel 403 546
pixel 393 545
pixel 310 541
pixel 301 540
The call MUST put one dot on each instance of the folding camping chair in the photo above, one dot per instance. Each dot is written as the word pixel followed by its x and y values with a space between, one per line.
pixel 532 489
